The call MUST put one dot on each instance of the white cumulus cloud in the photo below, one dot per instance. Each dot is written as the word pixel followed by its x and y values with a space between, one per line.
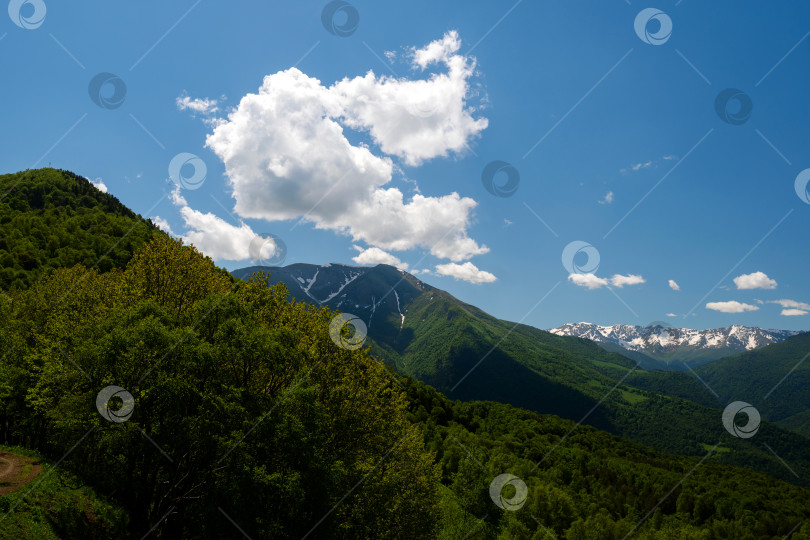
pixel 415 119
pixel 163 225
pixel 674 286
pixel 630 279
pixel 209 233
pixel 286 154
pixel 732 306
pixel 757 280
pixel 608 198
pixel 98 183
pixel 785 303
pixel 373 256
pixel 197 105
pixel 467 272
pixel 216 237
pixel 793 312
pixel 591 281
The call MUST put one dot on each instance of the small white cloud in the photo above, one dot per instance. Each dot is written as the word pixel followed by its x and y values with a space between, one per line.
pixel 674 286
pixel 671 315
pixel 98 183
pixel 757 280
pixel 374 256
pixel 507 222
pixel 200 106
pixel 639 166
pixel 630 279
pixel 467 272
pixel 163 225
pixel 731 306
pixel 793 312
pixel 785 303
pixel 591 281
pixel 608 198
pixel 390 56
pixel 669 157
pixel 177 197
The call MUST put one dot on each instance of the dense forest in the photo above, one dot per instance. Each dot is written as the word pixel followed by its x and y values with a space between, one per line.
pixel 56 219
pixel 443 341
pixel 238 415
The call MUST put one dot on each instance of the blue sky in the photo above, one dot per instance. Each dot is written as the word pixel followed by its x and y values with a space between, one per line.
pixel 617 142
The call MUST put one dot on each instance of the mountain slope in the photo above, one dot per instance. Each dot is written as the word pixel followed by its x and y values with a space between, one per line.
pixel 55 219
pixel 245 412
pixel 775 379
pixel 467 354
pixel 664 347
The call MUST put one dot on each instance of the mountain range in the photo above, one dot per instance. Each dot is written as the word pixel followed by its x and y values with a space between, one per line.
pixel 237 365
pixel 427 334
pixel 660 346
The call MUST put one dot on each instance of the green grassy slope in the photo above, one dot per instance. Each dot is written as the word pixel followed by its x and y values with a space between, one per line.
pixel 452 346
pixel 775 379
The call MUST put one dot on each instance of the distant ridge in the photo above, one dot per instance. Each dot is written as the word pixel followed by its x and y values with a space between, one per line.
pixel 426 333
pixel 666 347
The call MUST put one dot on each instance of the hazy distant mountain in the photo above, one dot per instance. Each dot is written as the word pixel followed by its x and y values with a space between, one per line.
pixel 670 348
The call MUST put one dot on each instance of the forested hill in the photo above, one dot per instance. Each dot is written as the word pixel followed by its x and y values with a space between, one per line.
pixel 238 414
pixel 51 218
pixel 762 375
pixel 429 335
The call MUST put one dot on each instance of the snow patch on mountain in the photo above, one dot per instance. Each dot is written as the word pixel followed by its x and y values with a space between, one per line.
pixel 351 277
pixel 663 339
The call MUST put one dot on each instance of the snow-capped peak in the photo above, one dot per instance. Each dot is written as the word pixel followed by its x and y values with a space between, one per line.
pixel 660 338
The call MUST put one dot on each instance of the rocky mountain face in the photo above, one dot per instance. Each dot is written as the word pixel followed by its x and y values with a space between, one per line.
pixel 370 292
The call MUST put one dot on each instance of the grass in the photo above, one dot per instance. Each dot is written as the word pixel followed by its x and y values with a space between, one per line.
pixel 609 365
pixel 719 449
pixel 633 397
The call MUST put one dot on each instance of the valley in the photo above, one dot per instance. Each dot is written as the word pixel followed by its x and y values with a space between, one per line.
pixel 246 407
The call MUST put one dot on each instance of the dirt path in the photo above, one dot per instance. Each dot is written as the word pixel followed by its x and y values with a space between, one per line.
pixel 16 471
